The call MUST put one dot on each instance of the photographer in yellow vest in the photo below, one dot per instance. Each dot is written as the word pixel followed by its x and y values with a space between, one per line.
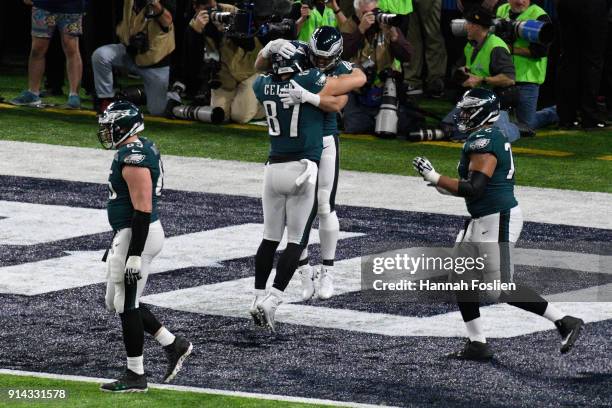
pixel 314 14
pixel 486 63
pixel 530 63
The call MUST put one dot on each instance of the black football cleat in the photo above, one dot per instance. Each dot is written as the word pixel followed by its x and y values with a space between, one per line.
pixel 569 328
pixel 128 382
pixel 176 353
pixel 473 350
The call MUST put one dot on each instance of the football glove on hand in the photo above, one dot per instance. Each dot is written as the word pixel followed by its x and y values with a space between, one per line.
pixel 297 95
pixel 280 46
pixel 309 174
pixel 132 269
pixel 425 169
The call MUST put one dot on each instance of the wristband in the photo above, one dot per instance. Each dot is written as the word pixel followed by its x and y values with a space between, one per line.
pixel 337 11
pixel 311 98
pixel 433 177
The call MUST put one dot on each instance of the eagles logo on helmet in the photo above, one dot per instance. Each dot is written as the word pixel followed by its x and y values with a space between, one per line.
pixel 118 122
pixel 326 47
pixel 478 107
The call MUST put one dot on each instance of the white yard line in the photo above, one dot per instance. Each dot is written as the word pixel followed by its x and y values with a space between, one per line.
pixel 182 388
pixel 361 189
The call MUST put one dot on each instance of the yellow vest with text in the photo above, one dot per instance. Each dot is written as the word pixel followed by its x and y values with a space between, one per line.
pixel 161 43
pixel 480 66
pixel 532 70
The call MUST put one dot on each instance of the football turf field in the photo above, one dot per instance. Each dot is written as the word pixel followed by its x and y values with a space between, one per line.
pixel 345 349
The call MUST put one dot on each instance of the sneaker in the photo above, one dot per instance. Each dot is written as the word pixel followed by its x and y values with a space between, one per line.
pixel 258 318
pixel 413 90
pixel 474 350
pixel 267 308
pixel 128 382
pixel 595 126
pixel 74 102
pixel 176 353
pixel 27 98
pixel 307 278
pixel 326 283
pixel 569 328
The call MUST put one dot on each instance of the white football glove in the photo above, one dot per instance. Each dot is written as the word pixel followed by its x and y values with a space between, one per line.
pixel 280 46
pixel 132 269
pixel 297 95
pixel 425 169
pixel 309 174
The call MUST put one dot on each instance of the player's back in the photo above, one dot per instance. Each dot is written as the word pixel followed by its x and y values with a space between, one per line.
pixel 296 132
pixel 499 192
pixel 141 153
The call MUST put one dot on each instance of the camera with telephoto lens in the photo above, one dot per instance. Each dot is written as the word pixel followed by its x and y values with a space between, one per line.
pixel 387 18
pixel 533 31
pixel 138 44
pixel 257 18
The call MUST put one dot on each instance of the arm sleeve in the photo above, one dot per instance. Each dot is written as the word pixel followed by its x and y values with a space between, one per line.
pixel 501 63
pixel 540 50
pixel 475 185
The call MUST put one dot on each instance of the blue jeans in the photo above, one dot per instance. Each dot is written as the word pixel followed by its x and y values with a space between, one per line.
pixel 526 111
pixel 107 57
pixel 510 130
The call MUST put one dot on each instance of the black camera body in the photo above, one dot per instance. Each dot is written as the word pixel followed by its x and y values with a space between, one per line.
pixel 258 18
pixel 138 44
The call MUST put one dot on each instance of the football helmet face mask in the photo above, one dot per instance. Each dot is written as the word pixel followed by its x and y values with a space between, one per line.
pixel 477 108
pixel 297 63
pixel 325 48
pixel 118 122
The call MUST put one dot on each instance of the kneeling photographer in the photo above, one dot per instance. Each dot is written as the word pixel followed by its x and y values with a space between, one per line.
pixel 372 41
pixel 486 63
pixel 147 40
pixel 233 36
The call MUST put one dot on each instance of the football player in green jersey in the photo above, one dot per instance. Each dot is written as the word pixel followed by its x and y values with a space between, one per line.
pixel 135 183
pixel 324 49
pixel 486 181
pixel 290 177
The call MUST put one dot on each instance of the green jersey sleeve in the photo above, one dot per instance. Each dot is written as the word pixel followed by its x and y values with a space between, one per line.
pixel 483 141
pixel 139 154
pixel 312 80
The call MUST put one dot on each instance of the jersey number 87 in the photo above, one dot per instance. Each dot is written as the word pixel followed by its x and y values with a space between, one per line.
pixel 274 128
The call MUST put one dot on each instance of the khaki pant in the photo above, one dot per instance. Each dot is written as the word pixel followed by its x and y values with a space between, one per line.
pixel 424 31
pixel 240 105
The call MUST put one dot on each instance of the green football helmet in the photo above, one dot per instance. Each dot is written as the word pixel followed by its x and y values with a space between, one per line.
pixel 118 122
pixel 325 48
pixel 477 108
